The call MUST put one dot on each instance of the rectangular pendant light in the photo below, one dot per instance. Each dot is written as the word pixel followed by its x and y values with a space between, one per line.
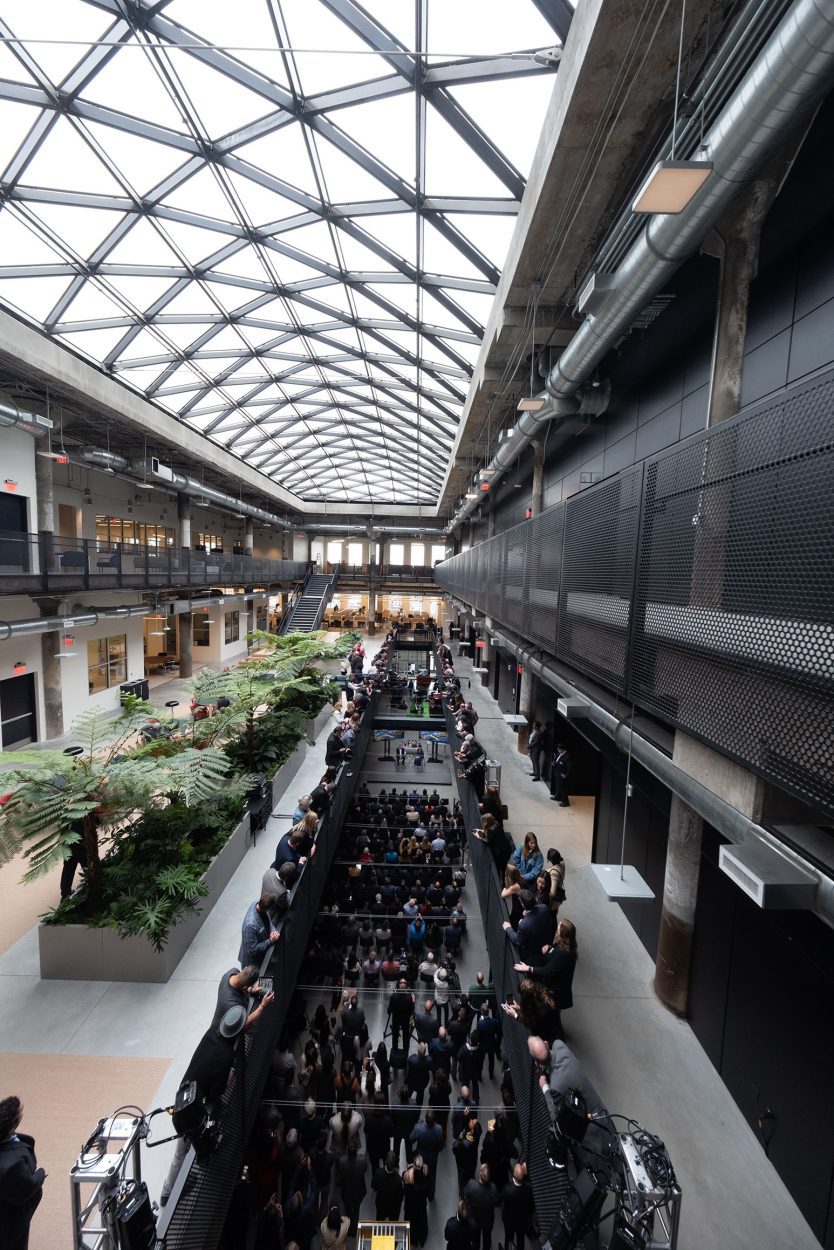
pixel 530 405
pixel 671 185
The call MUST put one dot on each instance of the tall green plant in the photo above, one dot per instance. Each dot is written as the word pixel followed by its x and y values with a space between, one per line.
pixel 59 800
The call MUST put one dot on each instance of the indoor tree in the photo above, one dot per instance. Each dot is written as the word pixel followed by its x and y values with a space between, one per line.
pixel 58 800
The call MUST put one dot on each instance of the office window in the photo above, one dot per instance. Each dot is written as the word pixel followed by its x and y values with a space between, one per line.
pixel 418 553
pixel 261 621
pixel 396 554
pixel 354 553
pixel 106 663
pixel 132 533
pixel 231 624
pixel 317 552
pixel 438 552
pixel 415 603
pixel 202 623
pixel 334 552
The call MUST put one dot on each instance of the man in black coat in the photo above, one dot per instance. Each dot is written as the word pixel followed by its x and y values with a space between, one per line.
pixel 535 929
pixel 535 745
pixel 555 972
pixel 560 770
pixel 400 1010
pixel 388 1187
pixel 418 1072
pixel 21 1180
pixel 459 1231
pixel 481 1199
pixel 517 1206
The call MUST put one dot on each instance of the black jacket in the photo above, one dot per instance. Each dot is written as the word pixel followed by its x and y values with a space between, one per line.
pixel 481 1200
pixel 458 1234
pixel 534 931
pixel 557 974
pixel 21 1189
pixel 388 1187
pixel 517 1204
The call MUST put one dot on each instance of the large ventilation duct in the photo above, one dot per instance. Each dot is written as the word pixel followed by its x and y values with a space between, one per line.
pixel 81 616
pixel 159 474
pixel 780 90
pixel 31 422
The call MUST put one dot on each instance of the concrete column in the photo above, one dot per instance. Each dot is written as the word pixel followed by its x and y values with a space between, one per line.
pixel 248 535
pixel 537 494
pixel 683 861
pixel 51 672
pixel 525 708
pixel 371 610
pixel 45 511
pixel 677 920
pixel 186 643
pixel 471 537
pixel 735 242
pixel 491 517
pixel 184 519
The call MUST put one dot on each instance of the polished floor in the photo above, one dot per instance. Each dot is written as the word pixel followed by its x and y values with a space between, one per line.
pixel 645 1062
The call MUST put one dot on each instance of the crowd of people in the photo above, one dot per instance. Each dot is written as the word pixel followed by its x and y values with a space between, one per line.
pixel 361 1105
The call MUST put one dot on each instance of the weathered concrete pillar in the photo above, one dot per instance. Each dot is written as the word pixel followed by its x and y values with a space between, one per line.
pixel 248 535
pixel 537 494
pixel 184 519
pixel 491 517
pixel 51 673
pixel 371 610
pixel 525 708
pixel 186 644
pixel 683 861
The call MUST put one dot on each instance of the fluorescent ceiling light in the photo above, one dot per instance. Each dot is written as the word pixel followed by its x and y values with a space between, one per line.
pixel 671 185
pixel 530 405
pixel 487 472
pixel 472 495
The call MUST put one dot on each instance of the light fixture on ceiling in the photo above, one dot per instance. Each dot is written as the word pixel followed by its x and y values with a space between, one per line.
pixel 529 403
pixel 671 185
pixel 472 495
pixel 623 881
pixel 487 472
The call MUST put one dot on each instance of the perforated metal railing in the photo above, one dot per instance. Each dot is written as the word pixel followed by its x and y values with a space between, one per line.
pixel 197 1210
pixel 548 1189
pixel 700 584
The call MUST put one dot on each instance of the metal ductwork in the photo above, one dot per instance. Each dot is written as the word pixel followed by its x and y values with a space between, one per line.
pixel 727 819
pixel 97 458
pixel 83 617
pixel 31 422
pixel 780 90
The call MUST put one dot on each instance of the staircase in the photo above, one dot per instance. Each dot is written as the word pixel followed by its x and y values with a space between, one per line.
pixel 306 613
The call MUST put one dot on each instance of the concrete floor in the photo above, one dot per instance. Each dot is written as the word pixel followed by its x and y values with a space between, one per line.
pixel 645 1062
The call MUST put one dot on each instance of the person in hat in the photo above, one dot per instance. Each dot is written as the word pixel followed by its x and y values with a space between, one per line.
pixel 211 1068
pixel 21 1180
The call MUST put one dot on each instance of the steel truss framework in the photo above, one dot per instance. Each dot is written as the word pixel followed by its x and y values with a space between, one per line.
pixel 215 228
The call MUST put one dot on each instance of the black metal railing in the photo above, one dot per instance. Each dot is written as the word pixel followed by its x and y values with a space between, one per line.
pixel 196 1211
pixel 51 563
pixel 533 1117
pixel 692 584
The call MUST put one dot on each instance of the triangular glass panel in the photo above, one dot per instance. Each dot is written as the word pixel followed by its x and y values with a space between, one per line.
pixel 92 303
pixel 93 343
pixel 261 205
pixel 442 257
pixel 315 240
pixel 284 153
pixel 230 25
pixel 497 107
pixel 82 229
pixel 143 162
pixel 131 76
pixel 386 129
pixel 289 269
pixel 64 161
pixel 345 181
pixel 491 235
pixel 142 293
pixel 201 193
pixel 182 336
pixel 36 297
pixel 18 120
pixel 192 300
pixel 20 244
pixel 452 167
pixel 311 26
pixel 143 245
pixel 66 21
pixel 221 103
pixel 396 231
pixel 144 344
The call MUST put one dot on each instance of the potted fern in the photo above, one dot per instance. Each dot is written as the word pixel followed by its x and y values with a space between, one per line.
pixel 104 798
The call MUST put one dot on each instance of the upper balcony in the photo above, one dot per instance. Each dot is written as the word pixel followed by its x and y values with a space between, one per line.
pixel 37 564
pixel 382 576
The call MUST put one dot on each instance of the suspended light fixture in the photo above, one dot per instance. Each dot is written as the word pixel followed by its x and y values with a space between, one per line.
pixel 530 403
pixel 672 184
pixel 623 881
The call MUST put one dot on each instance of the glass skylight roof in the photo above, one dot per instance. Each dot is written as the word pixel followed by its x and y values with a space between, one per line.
pixel 282 221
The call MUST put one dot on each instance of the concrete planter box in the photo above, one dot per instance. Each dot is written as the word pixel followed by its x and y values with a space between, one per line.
pixel 292 764
pixel 78 953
